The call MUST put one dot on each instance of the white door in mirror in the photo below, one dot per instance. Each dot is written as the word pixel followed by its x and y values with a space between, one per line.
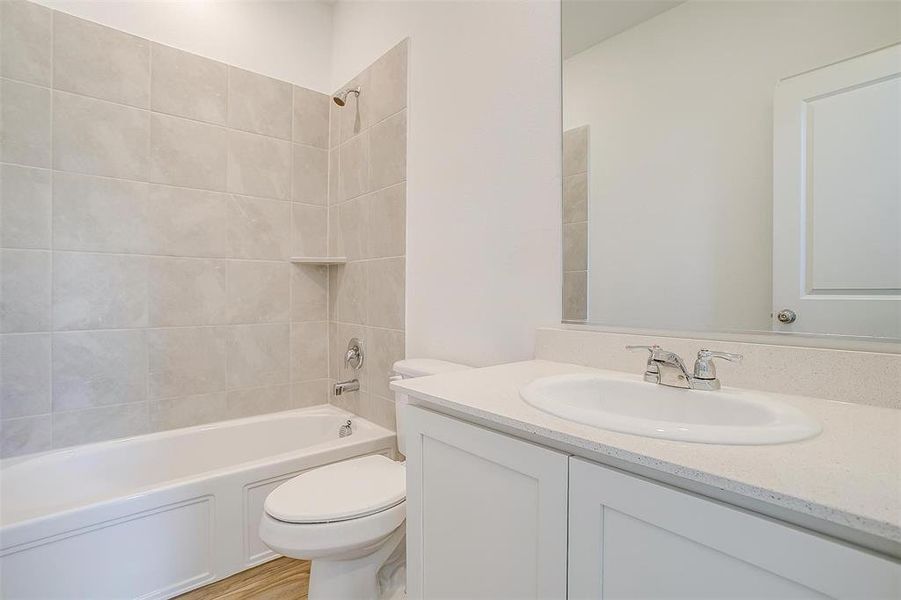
pixel 627 404
pixel 837 198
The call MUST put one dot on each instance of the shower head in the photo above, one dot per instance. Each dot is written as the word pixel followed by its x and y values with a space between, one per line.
pixel 341 98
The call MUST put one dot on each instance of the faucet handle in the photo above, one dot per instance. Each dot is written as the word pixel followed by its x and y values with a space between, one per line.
pixel 704 366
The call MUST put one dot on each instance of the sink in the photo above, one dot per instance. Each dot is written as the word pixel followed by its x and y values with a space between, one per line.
pixel 630 405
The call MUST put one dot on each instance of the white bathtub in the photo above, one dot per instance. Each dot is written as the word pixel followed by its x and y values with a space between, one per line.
pixel 156 515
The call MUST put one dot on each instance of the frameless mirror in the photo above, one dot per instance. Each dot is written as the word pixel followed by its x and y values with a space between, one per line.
pixel 733 166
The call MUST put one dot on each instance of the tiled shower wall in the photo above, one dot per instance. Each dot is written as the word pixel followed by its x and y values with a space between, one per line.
pixel 367 200
pixel 575 224
pixel 150 201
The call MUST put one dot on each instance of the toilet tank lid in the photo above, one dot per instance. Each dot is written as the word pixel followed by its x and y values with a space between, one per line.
pixel 421 367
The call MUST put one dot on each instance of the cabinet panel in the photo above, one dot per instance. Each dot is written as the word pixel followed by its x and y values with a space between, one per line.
pixel 632 538
pixel 486 513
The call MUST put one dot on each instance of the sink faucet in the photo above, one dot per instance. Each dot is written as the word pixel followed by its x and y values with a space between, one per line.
pixel 667 368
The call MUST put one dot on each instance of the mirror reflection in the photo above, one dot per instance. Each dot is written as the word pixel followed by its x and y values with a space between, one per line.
pixel 733 166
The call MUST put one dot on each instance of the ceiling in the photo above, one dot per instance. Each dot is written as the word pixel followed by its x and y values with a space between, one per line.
pixel 588 22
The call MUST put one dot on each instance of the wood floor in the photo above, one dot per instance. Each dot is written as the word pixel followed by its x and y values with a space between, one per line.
pixel 279 579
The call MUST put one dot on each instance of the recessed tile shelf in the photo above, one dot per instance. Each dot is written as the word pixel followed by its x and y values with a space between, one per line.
pixel 319 260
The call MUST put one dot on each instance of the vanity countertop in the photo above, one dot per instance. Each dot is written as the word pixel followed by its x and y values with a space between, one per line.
pixel 848 477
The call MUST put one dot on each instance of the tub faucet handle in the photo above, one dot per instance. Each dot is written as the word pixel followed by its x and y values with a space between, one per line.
pixel 353 357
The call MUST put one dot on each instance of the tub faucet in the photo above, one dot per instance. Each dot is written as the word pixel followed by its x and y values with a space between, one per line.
pixel 351 385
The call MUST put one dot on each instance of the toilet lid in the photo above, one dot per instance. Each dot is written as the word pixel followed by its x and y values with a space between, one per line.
pixel 339 492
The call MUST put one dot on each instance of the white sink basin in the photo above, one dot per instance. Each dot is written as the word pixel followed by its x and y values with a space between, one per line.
pixel 630 405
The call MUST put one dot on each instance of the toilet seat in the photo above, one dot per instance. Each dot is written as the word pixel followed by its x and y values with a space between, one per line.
pixel 343 491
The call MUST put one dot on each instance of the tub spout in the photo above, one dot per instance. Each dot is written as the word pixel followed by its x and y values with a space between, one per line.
pixel 351 385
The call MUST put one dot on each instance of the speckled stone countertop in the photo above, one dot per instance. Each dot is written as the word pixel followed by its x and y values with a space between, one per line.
pixel 848 478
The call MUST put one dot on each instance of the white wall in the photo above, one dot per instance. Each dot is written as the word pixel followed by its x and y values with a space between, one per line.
pixel 483 163
pixel 680 109
pixel 290 41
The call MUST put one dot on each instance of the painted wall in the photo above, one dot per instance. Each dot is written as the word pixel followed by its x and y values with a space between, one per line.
pixel 484 173
pixel 286 40
pixel 681 178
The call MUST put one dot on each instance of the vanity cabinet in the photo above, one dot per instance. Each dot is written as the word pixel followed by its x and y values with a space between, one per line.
pixel 492 516
pixel 630 537
pixel 486 513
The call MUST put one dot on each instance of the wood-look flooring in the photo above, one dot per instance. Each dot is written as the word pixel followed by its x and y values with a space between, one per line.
pixel 279 579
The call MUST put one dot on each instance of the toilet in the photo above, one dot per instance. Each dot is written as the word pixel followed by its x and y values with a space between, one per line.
pixel 348 518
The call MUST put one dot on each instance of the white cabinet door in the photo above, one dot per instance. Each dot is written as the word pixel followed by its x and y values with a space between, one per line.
pixel 486 513
pixel 632 538
pixel 837 197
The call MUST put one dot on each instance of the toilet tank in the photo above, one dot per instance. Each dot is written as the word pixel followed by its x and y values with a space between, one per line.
pixel 416 367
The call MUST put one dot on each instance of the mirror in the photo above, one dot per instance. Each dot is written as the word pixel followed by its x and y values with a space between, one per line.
pixel 733 166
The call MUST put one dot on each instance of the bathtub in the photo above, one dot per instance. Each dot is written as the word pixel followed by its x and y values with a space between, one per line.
pixel 156 515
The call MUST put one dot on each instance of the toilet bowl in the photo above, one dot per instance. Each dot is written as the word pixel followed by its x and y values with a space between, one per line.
pixel 348 518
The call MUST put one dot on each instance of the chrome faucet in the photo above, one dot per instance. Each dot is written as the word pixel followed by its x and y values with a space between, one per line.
pixel 351 385
pixel 667 368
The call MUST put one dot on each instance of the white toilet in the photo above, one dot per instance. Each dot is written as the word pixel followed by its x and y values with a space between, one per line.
pixel 348 517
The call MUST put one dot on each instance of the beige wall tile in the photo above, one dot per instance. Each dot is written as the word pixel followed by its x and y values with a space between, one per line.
pixel 311 117
pixel 335 276
pixel 309 293
pixel 387 222
pixel 98 214
pixel 98 61
pixel 353 174
pixel 25 375
pixel 185 291
pixel 382 412
pixel 388 150
pixel 258 355
pixel 98 368
pixel 259 166
pixel 26 41
pixel 100 138
pixel 186 222
pixel 350 287
pixel 187 411
pixel 309 230
pixel 246 403
pixel 259 228
pixel 333 177
pixel 186 360
pixel 102 423
pixel 188 85
pixel 258 291
pixel 99 291
pixel 24 124
pixel 385 298
pixel 386 346
pixel 24 290
pixel 575 295
pixel 187 153
pixel 309 350
pixel 259 104
pixel 24 436
pixel 575 246
pixel 353 227
pixel 310 175
pixel 24 207
pixel 575 150
pixel 309 393
pixel 575 198
pixel 388 83
pixel 334 125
